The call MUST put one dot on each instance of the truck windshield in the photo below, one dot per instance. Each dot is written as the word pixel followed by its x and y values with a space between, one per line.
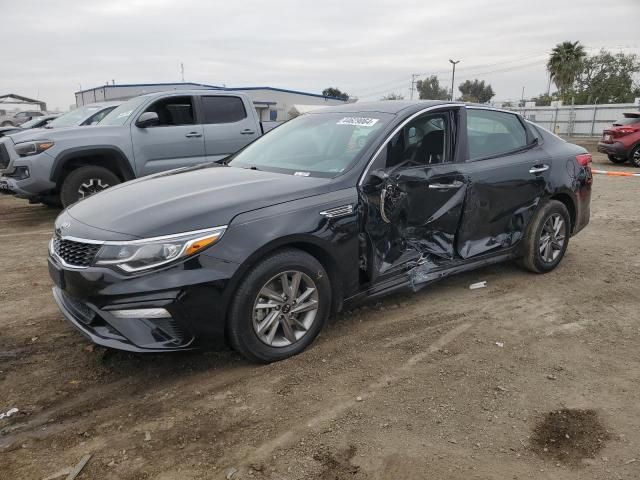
pixel 315 144
pixel 120 114
pixel 75 117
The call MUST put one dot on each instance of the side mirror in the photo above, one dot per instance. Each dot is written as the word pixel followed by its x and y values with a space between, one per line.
pixel 147 119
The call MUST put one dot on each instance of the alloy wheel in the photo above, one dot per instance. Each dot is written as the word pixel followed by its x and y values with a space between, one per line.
pixel 552 238
pixel 285 308
pixel 91 186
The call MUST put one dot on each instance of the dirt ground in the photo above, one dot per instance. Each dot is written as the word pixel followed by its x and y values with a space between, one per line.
pixel 534 376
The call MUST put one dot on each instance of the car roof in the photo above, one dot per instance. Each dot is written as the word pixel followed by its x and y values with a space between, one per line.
pixel 112 103
pixel 385 106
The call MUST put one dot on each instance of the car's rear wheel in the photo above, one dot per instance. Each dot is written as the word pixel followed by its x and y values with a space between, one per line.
pixel 616 160
pixel 86 181
pixel 634 156
pixel 7 124
pixel 279 307
pixel 546 238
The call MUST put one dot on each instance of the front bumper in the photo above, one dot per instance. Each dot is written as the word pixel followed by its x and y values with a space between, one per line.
pixel 38 168
pixel 616 149
pixel 194 293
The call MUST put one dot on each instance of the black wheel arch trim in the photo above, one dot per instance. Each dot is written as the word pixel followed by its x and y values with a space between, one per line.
pixel 303 242
pixel 75 153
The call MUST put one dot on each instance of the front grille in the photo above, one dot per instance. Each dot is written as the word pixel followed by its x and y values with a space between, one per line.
pixel 4 157
pixel 75 254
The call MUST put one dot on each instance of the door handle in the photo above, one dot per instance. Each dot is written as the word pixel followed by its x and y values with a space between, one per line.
pixel 247 131
pixel 539 169
pixel 193 135
pixel 445 186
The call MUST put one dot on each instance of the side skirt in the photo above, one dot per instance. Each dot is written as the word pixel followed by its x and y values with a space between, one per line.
pixel 424 274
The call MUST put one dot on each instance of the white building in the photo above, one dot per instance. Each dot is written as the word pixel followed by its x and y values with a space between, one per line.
pixel 271 103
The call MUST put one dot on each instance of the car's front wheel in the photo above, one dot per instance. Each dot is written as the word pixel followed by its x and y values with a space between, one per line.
pixel 546 238
pixel 84 182
pixel 279 307
pixel 617 160
pixel 634 156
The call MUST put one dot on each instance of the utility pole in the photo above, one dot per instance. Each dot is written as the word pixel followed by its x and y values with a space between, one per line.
pixel 182 71
pixel 453 75
pixel 413 81
pixel 522 98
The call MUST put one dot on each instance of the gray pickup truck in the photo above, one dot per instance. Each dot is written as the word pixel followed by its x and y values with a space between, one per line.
pixel 145 135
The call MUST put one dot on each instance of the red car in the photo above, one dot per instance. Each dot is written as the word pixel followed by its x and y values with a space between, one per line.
pixel 621 142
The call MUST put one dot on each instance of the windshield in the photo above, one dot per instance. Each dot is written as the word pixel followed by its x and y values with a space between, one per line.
pixel 321 144
pixel 119 115
pixel 75 117
pixel 34 121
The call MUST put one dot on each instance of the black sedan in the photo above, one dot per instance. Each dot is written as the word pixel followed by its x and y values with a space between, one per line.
pixel 330 209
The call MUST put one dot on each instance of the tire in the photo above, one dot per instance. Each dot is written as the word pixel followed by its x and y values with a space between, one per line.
pixel 7 124
pixel 616 160
pixel 634 156
pixel 84 182
pixel 245 320
pixel 544 261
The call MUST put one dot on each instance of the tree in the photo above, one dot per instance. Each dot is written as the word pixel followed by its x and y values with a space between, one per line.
pixel 393 96
pixel 607 78
pixel 335 92
pixel 564 65
pixel 429 89
pixel 544 100
pixel 476 91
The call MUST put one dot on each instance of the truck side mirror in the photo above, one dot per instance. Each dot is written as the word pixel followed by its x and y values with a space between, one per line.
pixel 147 119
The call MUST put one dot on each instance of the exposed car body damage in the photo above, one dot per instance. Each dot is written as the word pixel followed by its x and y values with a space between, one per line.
pixel 431 222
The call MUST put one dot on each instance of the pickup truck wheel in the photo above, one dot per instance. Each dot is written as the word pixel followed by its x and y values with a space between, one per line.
pixel 84 182
pixel 617 160
pixel 279 307
pixel 634 157
pixel 546 238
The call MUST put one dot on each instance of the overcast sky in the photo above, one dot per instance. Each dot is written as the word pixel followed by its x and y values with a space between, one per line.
pixel 367 48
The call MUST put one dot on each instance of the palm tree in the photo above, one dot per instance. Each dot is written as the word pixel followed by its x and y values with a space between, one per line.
pixel 564 65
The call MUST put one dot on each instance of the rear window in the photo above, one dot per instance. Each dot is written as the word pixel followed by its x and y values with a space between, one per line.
pixel 223 109
pixel 627 121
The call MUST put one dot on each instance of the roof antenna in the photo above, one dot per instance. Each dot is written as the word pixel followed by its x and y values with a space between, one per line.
pixel 182 71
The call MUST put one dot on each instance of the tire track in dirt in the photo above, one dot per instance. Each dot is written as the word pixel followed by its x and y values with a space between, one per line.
pixel 263 451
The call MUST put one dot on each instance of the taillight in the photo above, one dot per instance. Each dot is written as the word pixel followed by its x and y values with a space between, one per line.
pixel 584 159
pixel 622 131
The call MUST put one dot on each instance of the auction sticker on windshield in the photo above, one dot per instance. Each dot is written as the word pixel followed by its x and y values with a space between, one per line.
pixel 358 121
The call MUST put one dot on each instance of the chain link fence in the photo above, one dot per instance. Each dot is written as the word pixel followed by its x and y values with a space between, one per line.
pixel 576 120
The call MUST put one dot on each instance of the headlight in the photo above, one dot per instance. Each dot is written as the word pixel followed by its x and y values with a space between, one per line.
pixel 138 255
pixel 33 148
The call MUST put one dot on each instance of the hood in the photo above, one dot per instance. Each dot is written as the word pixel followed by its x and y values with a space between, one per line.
pixel 61 133
pixel 191 199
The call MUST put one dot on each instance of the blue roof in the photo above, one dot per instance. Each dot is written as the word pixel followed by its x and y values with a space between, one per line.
pixel 191 84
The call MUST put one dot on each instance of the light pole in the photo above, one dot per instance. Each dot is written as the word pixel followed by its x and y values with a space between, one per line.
pixel 453 75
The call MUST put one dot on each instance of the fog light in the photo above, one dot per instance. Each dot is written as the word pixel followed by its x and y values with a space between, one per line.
pixel 20 173
pixel 141 313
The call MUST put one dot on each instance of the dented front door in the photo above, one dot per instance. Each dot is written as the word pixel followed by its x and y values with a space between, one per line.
pixel 412 214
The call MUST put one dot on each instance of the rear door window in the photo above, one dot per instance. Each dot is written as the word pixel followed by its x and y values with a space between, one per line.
pixel 492 133
pixel 223 109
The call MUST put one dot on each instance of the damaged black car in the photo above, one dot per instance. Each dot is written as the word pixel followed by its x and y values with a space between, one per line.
pixel 335 207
